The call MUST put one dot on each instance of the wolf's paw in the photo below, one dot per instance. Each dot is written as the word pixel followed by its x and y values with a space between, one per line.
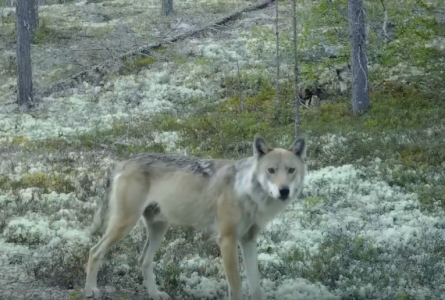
pixel 92 293
pixel 159 296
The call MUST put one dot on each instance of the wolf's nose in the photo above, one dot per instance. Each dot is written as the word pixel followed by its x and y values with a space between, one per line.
pixel 284 193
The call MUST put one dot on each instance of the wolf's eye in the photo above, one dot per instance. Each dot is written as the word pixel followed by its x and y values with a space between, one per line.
pixel 271 170
pixel 291 170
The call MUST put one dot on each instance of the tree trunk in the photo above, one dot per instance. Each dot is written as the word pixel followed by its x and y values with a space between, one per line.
pixel 33 15
pixel 359 62
pixel 167 7
pixel 296 93
pixel 24 82
pixel 277 92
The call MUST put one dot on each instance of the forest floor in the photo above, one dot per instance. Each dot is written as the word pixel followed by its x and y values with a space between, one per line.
pixel 371 222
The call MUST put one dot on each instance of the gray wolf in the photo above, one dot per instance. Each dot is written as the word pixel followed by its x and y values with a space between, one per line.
pixel 234 198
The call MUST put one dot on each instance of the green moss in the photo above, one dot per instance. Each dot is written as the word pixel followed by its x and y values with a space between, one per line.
pixel 103 139
pixel 99 31
pixel 172 273
pixel 8 32
pixel 312 202
pixel 179 60
pixel 7 20
pixel 219 6
pixel 46 33
pixel 58 74
pixel 335 253
pixel 4 182
pixel 50 144
pixel 47 183
pixel 74 296
pixel 19 141
pixel 166 122
pixel 413 156
pixel 345 259
pixel 432 196
pixel 403 296
pixel 135 64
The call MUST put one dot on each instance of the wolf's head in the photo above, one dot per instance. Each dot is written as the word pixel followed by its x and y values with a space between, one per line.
pixel 280 171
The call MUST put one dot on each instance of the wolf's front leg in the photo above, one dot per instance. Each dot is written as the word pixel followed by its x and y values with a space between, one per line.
pixel 229 251
pixel 250 258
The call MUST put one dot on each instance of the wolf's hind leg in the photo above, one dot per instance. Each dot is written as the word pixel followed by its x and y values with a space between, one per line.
pixel 155 234
pixel 126 199
pixel 116 230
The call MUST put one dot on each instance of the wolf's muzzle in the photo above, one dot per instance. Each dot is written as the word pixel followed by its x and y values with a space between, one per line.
pixel 284 193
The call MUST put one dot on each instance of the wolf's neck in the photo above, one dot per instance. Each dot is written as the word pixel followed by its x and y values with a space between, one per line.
pixel 245 170
pixel 247 186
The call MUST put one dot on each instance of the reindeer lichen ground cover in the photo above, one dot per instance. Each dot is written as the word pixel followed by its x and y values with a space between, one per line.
pixel 370 224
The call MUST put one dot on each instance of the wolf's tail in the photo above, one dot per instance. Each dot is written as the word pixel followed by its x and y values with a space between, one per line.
pixel 100 218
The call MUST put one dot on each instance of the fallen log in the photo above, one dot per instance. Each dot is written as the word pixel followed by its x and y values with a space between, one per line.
pixel 98 70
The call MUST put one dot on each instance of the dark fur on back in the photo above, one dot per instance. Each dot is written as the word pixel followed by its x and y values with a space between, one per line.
pixel 205 167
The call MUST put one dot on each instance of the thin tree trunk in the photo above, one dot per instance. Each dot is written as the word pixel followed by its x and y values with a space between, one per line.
pixel 33 15
pixel 359 62
pixel 240 92
pixel 167 7
pixel 24 81
pixel 385 21
pixel 296 79
pixel 277 34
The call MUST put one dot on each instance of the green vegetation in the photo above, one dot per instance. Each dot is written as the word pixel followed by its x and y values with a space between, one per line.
pixel 328 265
pixel 7 20
pixel 346 258
pixel 42 181
pixel 135 64
pixel 7 28
pixel 219 7
pixel 46 33
pixel 393 111
pixel 400 140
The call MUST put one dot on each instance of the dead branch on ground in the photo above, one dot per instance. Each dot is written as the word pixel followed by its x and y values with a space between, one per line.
pixel 100 70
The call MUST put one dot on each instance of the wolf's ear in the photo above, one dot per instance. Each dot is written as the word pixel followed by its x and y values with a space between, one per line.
pixel 260 146
pixel 299 148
